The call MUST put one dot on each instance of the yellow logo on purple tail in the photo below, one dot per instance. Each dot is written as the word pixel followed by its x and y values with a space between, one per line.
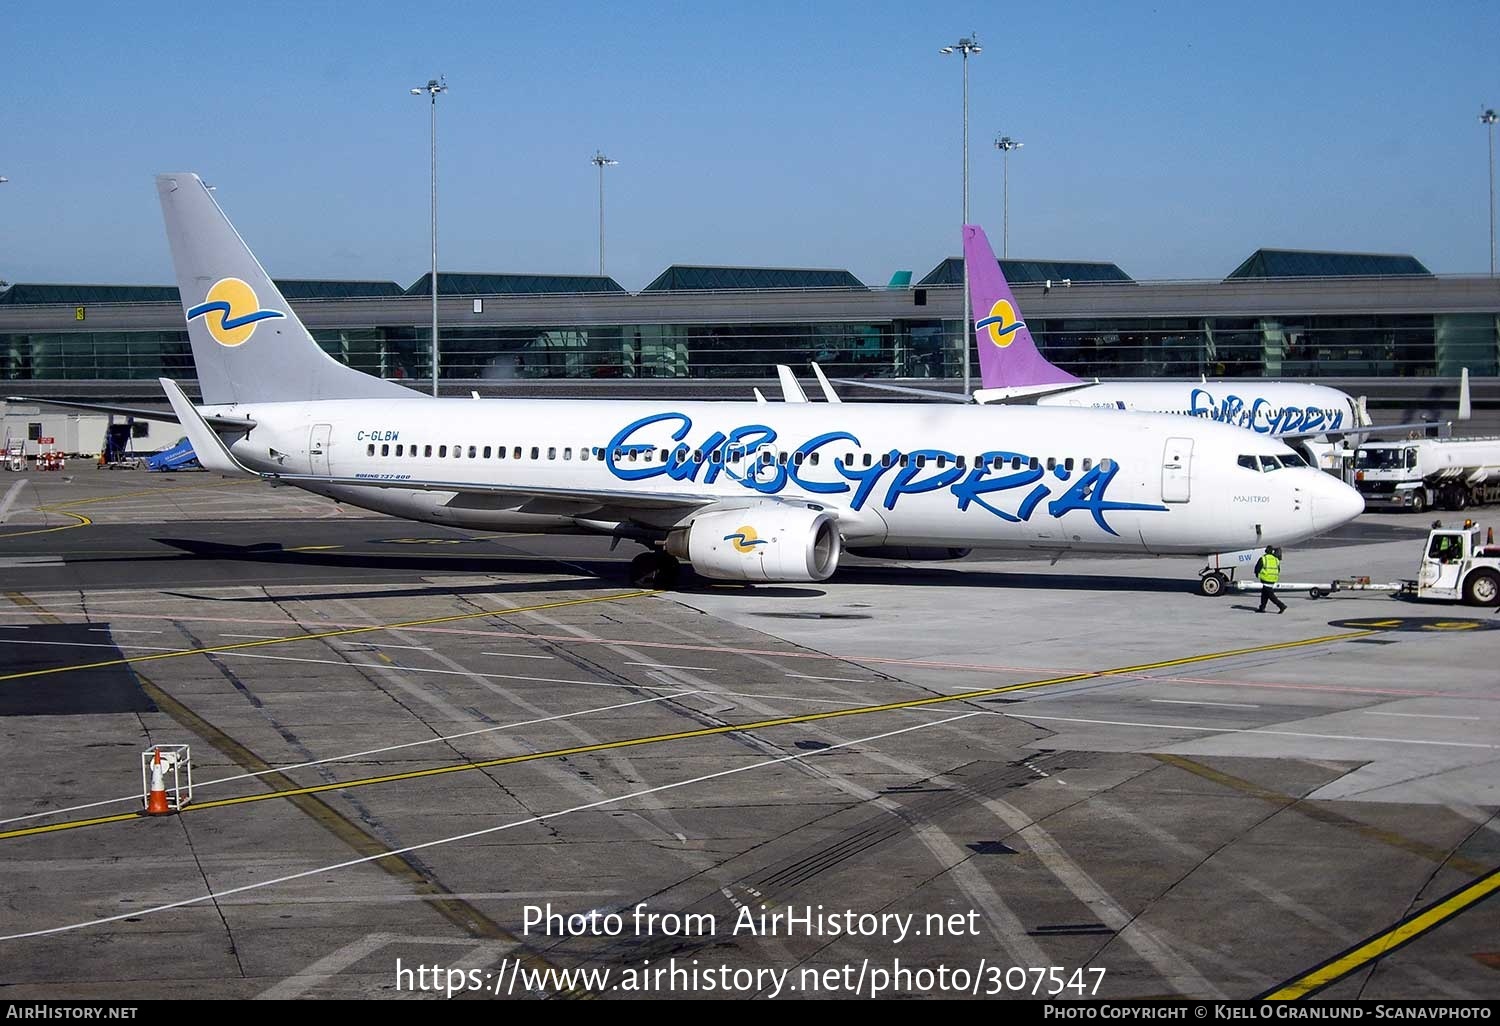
pixel 231 311
pixel 1001 325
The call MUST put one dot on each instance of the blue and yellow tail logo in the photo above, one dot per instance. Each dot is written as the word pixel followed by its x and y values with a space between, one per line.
pixel 1001 325
pixel 231 311
pixel 745 539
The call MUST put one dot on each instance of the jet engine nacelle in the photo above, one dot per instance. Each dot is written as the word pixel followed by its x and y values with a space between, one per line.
pixel 761 543
pixel 909 553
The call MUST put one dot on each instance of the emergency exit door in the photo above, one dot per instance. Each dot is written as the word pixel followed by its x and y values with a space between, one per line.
pixel 1177 470
pixel 317 448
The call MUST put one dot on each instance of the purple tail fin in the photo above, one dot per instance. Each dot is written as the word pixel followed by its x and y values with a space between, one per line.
pixel 1008 355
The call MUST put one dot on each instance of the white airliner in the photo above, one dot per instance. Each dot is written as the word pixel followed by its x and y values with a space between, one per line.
pixel 1012 370
pixel 745 491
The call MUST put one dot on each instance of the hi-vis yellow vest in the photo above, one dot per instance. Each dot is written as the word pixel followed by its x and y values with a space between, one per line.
pixel 1270 569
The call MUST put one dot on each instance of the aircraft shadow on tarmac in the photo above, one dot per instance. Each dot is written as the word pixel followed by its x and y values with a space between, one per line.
pixel 964 575
pixel 609 571
pixel 593 573
pixel 597 572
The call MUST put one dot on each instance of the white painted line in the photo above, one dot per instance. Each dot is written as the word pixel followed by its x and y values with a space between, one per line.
pixel 393 899
pixel 517 655
pixel 118 630
pixel 327 967
pixel 421 669
pixel 544 817
pixel 370 644
pixel 1253 730
pixel 260 637
pixel 1222 705
pixel 668 666
pixel 1414 716
pixel 360 755
pixel 93 644
pixel 841 680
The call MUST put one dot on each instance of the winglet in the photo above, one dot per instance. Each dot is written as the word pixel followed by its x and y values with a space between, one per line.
pixel 211 450
pixel 828 392
pixel 790 391
pixel 758 396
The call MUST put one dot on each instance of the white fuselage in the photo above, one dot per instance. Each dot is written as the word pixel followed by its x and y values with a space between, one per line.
pixel 1270 408
pixel 892 474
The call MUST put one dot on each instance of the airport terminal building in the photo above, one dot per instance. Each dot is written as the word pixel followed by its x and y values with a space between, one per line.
pixel 1381 320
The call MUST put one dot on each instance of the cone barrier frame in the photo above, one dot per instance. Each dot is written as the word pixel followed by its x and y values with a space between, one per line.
pixel 177 774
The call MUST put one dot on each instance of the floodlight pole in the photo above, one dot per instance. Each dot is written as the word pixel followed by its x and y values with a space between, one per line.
pixel 1488 119
pixel 1005 144
pixel 433 87
pixel 967 45
pixel 600 161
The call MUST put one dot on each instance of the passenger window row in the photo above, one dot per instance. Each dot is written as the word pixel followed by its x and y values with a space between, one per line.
pixel 719 456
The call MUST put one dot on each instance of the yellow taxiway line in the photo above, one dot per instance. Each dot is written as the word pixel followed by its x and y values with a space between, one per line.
pixel 344 632
pixel 652 739
pixel 1387 941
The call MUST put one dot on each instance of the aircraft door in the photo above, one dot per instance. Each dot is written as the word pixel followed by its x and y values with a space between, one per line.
pixel 1177 470
pixel 318 444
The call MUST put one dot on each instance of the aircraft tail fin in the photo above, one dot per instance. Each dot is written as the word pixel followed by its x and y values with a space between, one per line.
pixel 248 344
pixel 1007 353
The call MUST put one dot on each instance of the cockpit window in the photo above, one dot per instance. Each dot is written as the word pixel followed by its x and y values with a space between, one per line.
pixel 1248 462
pixel 1292 459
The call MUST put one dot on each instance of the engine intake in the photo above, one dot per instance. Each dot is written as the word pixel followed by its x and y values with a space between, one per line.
pixel 761 543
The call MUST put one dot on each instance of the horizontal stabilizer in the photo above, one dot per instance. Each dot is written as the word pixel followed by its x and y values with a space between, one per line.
pixel 217 423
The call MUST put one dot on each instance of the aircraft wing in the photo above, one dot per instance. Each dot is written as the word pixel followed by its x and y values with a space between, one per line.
pixel 1370 429
pixel 926 393
pixel 218 423
pixel 1016 395
pixel 594 498
pixel 1021 395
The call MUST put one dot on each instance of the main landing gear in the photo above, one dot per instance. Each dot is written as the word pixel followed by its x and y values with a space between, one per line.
pixel 656 570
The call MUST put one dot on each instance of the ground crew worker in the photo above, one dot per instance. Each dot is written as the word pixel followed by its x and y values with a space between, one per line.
pixel 1268 570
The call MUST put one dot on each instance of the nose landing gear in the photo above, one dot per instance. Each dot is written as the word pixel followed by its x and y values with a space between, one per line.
pixel 1213 583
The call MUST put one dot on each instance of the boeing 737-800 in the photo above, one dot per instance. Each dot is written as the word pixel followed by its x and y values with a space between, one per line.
pixel 1013 370
pixel 744 491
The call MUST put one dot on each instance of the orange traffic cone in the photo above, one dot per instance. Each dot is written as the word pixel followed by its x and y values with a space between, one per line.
pixel 156 798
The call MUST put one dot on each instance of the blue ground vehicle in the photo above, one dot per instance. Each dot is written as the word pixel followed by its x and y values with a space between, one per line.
pixel 178 457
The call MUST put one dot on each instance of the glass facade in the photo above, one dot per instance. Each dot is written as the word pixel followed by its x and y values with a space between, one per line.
pixel 1291 347
pixel 1287 346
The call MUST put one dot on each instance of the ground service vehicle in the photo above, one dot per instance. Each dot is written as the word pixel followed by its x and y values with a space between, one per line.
pixel 1421 473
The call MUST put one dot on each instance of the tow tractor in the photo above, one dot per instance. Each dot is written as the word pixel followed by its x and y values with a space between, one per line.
pixel 1457 566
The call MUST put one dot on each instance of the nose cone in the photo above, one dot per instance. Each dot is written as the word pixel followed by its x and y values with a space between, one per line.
pixel 1334 503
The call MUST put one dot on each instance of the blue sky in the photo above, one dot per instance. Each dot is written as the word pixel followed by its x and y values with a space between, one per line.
pixel 1170 137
